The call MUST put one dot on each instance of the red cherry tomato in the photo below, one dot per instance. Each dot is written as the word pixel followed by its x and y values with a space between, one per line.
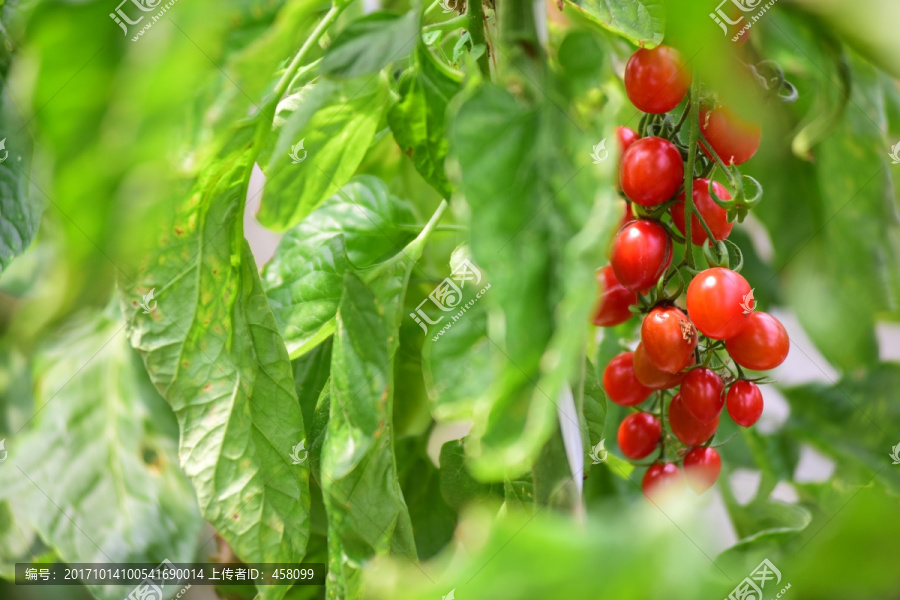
pixel 733 139
pixel 714 215
pixel 686 428
pixel 656 80
pixel 716 301
pixel 651 171
pixel 745 403
pixel 620 382
pixel 661 481
pixel 701 394
pixel 701 468
pixel 626 137
pixel 641 253
pixel 669 338
pixel 615 298
pixel 762 345
pixel 628 214
pixel 649 375
pixel 639 435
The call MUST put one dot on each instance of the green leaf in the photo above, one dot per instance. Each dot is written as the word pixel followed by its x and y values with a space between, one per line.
pixel 457 361
pixel 212 349
pixel 20 211
pixel 328 126
pixel 357 227
pixel 594 406
pixel 839 235
pixel 642 22
pixel 853 421
pixel 458 487
pixel 417 118
pixel 538 226
pixel 370 43
pixel 433 521
pixel 95 472
pixel 367 513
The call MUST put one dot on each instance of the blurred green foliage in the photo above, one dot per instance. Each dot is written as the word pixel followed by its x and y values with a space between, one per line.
pixel 128 169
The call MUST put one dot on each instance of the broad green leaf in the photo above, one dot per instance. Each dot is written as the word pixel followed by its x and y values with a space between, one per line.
pixel 853 421
pixel 417 118
pixel 763 527
pixel 370 43
pixel 518 497
pixel 539 221
pixel 592 417
pixel 311 373
pixel 494 137
pixel 553 481
pixel 95 472
pixel 457 360
pixel 367 513
pixel 20 211
pixel 458 487
pixel 642 22
pixel 212 349
pixel 433 520
pixel 357 227
pixel 328 127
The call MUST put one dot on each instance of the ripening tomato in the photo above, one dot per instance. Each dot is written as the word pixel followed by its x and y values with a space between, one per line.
pixel 626 137
pixel 745 403
pixel 661 481
pixel 651 171
pixel 641 253
pixel 716 302
pixel 649 375
pixel 615 298
pixel 620 382
pixel 715 216
pixel 701 468
pixel 762 345
pixel 733 139
pixel 686 428
pixel 639 435
pixel 669 338
pixel 701 394
pixel 656 80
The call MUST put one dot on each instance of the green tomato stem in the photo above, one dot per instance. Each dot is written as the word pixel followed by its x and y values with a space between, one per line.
pixel 689 169
pixel 475 27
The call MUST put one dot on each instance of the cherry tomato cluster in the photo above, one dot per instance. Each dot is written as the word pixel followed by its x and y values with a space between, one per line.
pixel 694 343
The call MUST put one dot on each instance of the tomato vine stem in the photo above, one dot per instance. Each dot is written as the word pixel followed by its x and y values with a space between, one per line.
pixel 694 105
